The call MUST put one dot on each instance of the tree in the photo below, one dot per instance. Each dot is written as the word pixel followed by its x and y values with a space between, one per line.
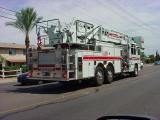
pixel 143 56
pixel 25 21
pixel 2 60
pixel 152 58
pixel 157 58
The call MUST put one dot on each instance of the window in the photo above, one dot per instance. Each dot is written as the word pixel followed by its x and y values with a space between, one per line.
pixel 103 31
pixel 80 64
pixel 133 50
pixel 98 48
pixel 12 51
pixel 139 52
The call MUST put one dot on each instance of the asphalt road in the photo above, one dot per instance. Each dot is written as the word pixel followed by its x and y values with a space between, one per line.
pixel 129 96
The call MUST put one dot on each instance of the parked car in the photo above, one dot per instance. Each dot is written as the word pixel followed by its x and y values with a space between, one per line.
pixel 157 63
pixel 23 79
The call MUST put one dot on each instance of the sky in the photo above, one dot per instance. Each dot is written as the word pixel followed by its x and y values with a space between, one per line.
pixel 132 17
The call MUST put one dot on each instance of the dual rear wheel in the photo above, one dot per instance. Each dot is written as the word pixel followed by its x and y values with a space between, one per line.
pixel 103 75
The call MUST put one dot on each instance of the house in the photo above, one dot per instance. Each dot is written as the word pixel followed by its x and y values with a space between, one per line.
pixel 12 54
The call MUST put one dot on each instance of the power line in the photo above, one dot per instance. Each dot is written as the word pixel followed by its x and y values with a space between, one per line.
pixel 138 24
pixel 121 16
pixel 8 9
pixel 125 17
pixel 7 13
pixel 7 17
pixel 131 15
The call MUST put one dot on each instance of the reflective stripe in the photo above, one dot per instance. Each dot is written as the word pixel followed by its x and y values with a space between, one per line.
pixel 102 58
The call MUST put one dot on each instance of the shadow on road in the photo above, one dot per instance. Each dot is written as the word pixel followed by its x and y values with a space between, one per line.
pixel 55 88
pixel 51 88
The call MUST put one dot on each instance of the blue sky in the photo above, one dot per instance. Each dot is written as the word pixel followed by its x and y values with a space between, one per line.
pixel 133 17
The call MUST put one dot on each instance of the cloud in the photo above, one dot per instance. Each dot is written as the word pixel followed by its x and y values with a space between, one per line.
pixel 136 18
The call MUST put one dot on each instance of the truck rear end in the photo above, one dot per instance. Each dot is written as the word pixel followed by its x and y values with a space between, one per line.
pixel 50 65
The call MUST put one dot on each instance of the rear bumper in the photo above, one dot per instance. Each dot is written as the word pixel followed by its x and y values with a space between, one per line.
pixel 45 79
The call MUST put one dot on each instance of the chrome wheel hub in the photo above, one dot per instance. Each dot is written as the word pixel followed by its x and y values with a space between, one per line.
pixel 110 76
pixel 99 76
pixel 136 71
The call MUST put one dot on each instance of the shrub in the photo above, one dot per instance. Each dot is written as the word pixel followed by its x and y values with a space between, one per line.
pixel 10 68
pixel 25 68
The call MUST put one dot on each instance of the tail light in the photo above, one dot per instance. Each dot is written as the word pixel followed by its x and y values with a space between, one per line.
pixel 29 74
pixel 64 75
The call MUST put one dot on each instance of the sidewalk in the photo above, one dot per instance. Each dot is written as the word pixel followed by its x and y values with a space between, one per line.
pixel 7 80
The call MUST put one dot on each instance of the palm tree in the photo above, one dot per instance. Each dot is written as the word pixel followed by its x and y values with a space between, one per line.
pixel 25 21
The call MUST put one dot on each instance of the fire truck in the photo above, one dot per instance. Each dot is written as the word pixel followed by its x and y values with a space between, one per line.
pixel 79 50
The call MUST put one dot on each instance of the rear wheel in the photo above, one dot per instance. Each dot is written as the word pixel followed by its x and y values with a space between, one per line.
pixel 135 72
pixel 99 76
pixel 109 74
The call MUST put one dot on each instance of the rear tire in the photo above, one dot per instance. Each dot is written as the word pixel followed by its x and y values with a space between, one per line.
pixel 109 74
pixel 135 72
pixel 99 76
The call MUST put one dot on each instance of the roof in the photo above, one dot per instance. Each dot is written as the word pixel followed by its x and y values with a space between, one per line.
pixel 14 58
pixel 12 45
